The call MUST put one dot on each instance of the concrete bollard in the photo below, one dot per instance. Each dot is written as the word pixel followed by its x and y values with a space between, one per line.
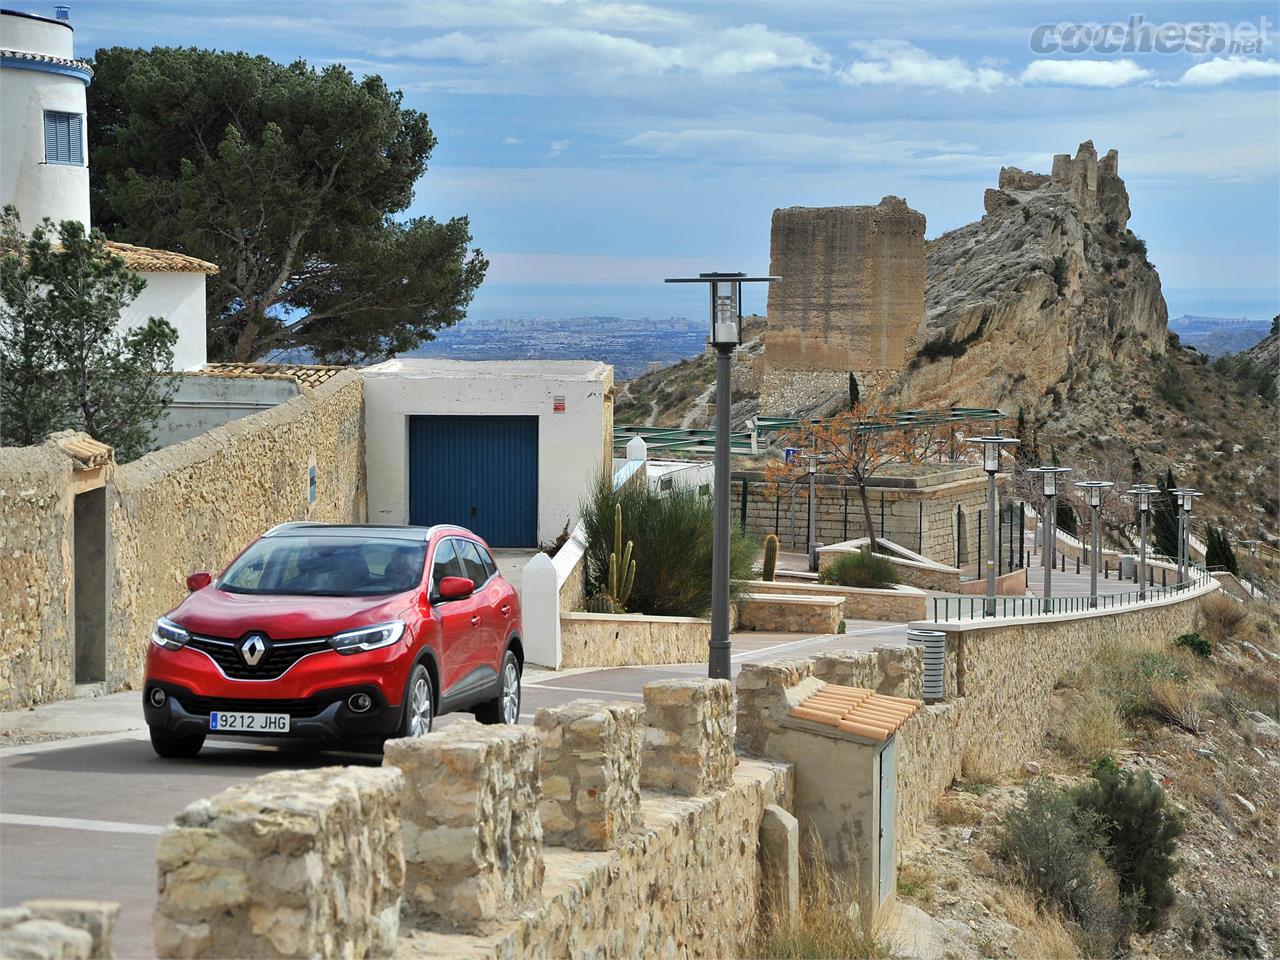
pixel 472 833
pixel 590 771
pixel 688 745
pixel 292 864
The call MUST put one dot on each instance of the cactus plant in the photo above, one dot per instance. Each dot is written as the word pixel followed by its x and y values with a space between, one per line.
pixel 770 556
pixel 622 569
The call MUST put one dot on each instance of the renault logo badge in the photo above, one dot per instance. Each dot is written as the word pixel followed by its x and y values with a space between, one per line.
pixel 253 649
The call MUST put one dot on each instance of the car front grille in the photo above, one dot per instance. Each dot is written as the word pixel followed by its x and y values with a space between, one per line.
pixel 297 709
pixel 279 657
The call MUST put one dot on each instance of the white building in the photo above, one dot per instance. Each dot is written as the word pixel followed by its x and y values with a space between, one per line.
pixel 44 168
pixel 508 448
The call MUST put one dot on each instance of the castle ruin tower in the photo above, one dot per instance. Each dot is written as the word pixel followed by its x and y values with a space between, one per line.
pixel 850 298
pixel 44 153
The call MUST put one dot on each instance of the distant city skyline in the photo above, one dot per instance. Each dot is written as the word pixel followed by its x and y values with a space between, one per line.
pixel 600 146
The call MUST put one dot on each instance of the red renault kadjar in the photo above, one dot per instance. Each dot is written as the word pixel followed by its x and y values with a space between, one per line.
pixel 356 633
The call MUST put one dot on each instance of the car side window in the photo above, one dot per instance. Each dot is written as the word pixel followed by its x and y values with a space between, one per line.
pixel 470 553
pixel 445 563
pixel 487 559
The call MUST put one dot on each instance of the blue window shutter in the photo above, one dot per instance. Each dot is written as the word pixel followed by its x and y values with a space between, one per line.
pixel 77 138
pixel 50 137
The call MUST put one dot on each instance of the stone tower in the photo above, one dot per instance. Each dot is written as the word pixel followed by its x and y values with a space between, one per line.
pixel 850 298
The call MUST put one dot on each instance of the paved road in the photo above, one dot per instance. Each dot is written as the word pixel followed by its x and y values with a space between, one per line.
pixel 80 817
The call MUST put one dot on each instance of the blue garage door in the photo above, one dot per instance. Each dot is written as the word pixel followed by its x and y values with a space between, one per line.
pixel 479 472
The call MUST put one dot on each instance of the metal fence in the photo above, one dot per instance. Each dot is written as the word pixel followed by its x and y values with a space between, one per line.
pixel 956 608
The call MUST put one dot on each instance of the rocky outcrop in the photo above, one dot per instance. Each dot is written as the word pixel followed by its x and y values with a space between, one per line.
pixel 1047 285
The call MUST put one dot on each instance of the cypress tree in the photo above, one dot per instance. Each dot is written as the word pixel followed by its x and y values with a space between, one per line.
pixel 1164 517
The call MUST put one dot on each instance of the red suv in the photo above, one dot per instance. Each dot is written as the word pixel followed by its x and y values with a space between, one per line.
pixel 340 632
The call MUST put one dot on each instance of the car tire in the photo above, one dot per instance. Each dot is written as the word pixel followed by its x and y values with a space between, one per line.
pixel 419 704
pixel 175 746
pixel 505 707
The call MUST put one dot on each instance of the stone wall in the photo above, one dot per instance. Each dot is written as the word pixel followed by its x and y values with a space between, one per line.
pixel 292 864
pixel 37 651
pixel 614 639
pixel 896 605
pixel 850 298
pixel 918 512
pixel 195 505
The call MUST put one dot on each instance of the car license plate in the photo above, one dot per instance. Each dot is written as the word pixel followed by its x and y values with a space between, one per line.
pixel 225 722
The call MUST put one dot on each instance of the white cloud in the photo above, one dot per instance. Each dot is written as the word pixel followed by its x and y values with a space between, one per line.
pixel 1213 73
pixel 558 147
pixel 752 48
pixel 902 64
pixel 511 141
pixel 1084 73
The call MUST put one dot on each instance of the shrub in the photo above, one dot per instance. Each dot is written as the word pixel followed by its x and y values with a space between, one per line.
pixel 1140 831
pixel 1176 703
pixel 823 927
pixel 1056 847
pixel 860 570
pixel 1092 728
pixel 1238 939
pixel 1126 676
pixel 1195 643
pixel 1222 615
pixel 671 537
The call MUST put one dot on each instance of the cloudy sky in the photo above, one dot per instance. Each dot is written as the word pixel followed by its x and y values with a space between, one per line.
pixel 598 146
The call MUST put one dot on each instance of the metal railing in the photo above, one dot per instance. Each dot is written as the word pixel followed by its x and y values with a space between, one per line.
pixel 956 608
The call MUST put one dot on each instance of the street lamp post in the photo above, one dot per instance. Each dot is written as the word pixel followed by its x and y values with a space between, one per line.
pixel 991 463
pixel 1049 527
pixel 1185 496
pixel 813 460
pixel 726 334
pixel 1094 490
pixel 1143 493
pixel 1253 565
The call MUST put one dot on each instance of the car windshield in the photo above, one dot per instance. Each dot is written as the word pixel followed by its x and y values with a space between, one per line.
pixel 318 566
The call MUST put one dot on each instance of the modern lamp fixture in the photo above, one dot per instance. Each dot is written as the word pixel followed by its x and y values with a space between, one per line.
pixel 1253 565
pixel 1142 494
pixel 1185 496
pixel 813 460
pixel 1049 525
pixel 726 334
pixel 991 463
pixel 1093 491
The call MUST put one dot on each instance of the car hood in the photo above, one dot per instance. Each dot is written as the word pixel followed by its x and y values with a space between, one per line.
pixel 214 613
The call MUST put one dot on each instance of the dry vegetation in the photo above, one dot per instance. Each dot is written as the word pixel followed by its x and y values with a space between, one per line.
pixel 1204 728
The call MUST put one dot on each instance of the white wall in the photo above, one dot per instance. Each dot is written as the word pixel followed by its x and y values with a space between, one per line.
pixel 36 188
pixel 178 298
pixel 570 445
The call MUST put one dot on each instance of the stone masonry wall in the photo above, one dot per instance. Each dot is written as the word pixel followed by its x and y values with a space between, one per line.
pixel 292 864
pixel 195 505
pixel 919 518
pixel 37 658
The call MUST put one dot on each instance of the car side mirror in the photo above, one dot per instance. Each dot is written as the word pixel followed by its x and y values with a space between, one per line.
pixel 456 588
pixel 198 581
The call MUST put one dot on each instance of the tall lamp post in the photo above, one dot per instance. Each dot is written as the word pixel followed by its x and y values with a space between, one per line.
pixel 1185 496
pixel 1253 565
pixel 1049 527
pixel 813 460
pixel 1094 489
pixel 991 463
pixel 726 334
pixel 1142 493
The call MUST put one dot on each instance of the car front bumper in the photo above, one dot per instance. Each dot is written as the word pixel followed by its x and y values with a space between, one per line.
pixel 325 716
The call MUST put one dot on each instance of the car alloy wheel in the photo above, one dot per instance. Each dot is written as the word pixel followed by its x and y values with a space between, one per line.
pixel 420 707
pixel 510 692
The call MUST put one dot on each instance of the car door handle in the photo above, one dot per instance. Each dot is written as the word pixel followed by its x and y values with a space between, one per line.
pixel 475 621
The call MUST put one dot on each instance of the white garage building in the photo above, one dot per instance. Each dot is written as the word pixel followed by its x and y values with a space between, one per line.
pixel 508 448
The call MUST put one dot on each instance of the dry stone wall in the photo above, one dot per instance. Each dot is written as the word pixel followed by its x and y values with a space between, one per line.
pixel 688 740
pixel 37 655
pixel 292 864
pixel 195 505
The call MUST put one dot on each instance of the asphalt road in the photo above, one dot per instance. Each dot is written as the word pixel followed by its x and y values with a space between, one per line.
pixel 79 818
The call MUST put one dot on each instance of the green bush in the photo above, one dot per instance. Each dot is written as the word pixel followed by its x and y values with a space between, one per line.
pixel 1056 846
pixel 1139 831
pixel 1195 643
pixel 671 535
pixel 860 570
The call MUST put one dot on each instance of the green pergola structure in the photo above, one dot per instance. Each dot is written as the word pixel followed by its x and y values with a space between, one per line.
pixel 749 441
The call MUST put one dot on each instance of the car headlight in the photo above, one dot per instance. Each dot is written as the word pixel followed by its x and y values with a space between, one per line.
pixel 368 638
pixel 169 635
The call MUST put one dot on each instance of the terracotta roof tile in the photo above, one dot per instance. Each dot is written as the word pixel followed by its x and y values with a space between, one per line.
pixel 857 710
pixel 149 260
pixel 84 450
pixel 306 374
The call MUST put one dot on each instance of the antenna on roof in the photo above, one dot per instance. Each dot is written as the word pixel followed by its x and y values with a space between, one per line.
pixel 62 12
